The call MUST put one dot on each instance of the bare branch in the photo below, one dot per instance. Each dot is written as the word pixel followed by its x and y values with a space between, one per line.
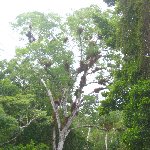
pixel 53 105
pixel 12 139
pixel 22 127
pixel 69 122
pixel 28 123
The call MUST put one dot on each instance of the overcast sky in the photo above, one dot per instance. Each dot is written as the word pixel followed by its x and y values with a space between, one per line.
pixel 9 9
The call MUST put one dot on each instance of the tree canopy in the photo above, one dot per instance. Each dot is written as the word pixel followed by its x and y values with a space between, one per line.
pixel 79 82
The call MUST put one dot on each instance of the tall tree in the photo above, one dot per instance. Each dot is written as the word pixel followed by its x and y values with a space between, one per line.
pixel 133 77
pixel 48 61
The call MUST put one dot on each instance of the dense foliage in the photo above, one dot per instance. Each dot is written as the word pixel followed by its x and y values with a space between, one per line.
pixel 88 74
pixel 130 91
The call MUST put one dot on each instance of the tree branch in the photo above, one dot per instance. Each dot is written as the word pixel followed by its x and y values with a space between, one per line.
pixel 54 138
pixel 53 105
pixel 28 123
pixel 64 101
pixel 1 144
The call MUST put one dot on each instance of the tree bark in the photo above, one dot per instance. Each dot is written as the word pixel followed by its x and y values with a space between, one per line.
pixel 62 137
pixel 60 143
pixel 63 132
pixel 54 138
pixel 106 140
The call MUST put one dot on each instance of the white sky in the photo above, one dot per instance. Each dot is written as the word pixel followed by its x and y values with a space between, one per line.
pixel 9 9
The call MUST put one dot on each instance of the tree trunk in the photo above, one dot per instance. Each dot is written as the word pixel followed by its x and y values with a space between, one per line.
pixel 60 144
pixel 54 138
pixel 106 141
pixel 61 141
